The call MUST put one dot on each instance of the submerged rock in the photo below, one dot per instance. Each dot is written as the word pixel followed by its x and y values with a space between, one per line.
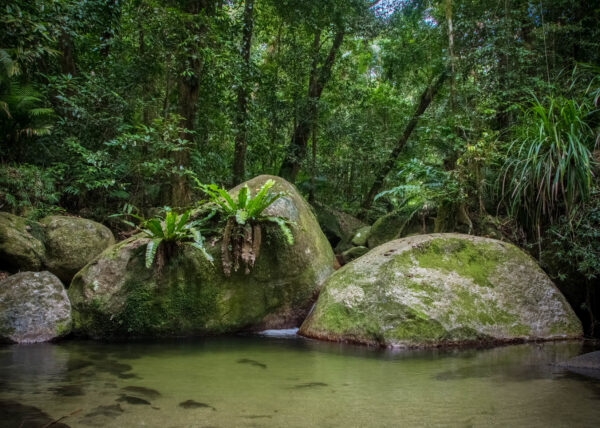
pixel 191 404
pixel 130 399
pixel 439 289
pixel 71 243
pixel 149 393
pixel 116 295
pixel 19 249
pixel 34 307
pixel 589 361
pixel 15 414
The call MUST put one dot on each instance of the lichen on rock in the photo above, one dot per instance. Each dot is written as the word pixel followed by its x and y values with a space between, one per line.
pixel 34 307
pixel 440 289
pixel 71 243
pixel 20 250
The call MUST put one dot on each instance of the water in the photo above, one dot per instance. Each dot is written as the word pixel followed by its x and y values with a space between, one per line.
pixel 286 381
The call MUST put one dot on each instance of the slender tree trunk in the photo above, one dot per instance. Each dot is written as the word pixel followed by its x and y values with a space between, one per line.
pixel 313 167
pixel 189 91
pixel 426 98
pixel 113 12
pixel 67 59
pixel 319 76
pixel 241 144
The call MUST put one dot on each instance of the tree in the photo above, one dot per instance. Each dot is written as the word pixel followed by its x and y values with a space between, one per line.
pixel 239 156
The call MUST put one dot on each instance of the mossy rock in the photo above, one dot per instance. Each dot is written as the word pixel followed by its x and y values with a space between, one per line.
pixel 354 253
pixel 339 227
pixel 398 225
pixel 441 289
pixel 71 243
pixel 34 307
pixel 361 236
pixel 116 296
pixel 20 250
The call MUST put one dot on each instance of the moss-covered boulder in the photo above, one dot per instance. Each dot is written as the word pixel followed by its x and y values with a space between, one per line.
pixel 398 225
pixel 34 307
pixel 71 243
pixel 353 253
pixel 361 236
pixel 20 250
pixel 339 227
pixel 431 290
pixel 116 295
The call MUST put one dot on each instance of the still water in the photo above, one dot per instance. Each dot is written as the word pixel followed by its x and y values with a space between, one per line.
pixel 271 381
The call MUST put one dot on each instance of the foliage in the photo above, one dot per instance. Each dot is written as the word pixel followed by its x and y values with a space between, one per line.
pixel 243 216
pixel 28 190
pixel 168 232
pixel 548 170
pixel 110 102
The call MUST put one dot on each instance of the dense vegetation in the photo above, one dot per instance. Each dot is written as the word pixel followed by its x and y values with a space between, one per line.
pixel 483 114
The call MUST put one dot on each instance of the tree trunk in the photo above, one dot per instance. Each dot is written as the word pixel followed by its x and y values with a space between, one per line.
pixel 313 166
pixel 189 91
pixel 239 155
pixel 67 59
pixel 426 98
pixel 319 76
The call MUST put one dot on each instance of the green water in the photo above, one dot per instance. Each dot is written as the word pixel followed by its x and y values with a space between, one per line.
pixel 291 382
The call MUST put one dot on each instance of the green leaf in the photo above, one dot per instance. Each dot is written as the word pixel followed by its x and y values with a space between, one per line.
pixel 151 251
pixel 241 216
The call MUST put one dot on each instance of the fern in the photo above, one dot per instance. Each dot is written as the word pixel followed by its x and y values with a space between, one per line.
pixel 243 217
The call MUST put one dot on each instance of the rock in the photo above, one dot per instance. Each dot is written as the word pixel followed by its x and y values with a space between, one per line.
pixel 116 295
pixel 19 249
pixel 589 361
pixel 73 242
pixel 361 236
pixel 440 289
pixel 398 225
pixel 338 226
pixel 33 308
pixel 354 253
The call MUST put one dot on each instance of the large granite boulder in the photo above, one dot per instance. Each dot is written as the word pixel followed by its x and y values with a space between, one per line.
pixel 116 295
pixel 19 248
pixel 440 289
pixel 34 307
pixel 71 243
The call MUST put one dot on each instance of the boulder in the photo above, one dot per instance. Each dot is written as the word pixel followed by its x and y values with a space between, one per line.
pixel 338 226
pixel 116 295
pixel 361 236
pixel 354 253
pixel 441 289
pixel 34 307
pixel 398 225
pixel 19 249
pixel 71 243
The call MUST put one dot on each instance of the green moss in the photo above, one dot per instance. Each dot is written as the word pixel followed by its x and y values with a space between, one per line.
pixel 476 261
pixel 63 328
pixel 519 330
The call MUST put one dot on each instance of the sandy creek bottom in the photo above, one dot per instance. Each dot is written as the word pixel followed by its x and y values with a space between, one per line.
pixel 252 381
